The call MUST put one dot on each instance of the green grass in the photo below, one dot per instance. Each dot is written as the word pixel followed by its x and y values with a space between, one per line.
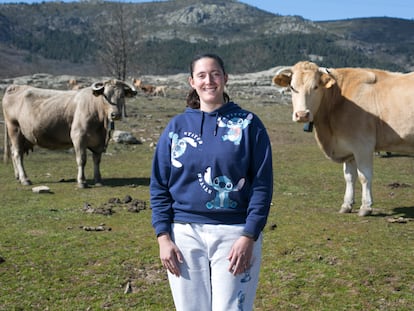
pixel 313 258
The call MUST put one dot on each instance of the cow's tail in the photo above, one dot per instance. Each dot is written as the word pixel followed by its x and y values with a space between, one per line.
pixel 6 155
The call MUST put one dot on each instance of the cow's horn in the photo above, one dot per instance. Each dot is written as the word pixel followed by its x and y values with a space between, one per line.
pixel 97 86
pixel 324 70
pixel 283 69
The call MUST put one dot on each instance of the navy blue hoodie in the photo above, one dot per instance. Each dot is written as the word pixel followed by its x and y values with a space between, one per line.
pixel 212 168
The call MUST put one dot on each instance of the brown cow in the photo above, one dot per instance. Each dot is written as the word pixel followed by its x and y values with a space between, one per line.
pixel 146 88
pixel 355 111
pixel 56 119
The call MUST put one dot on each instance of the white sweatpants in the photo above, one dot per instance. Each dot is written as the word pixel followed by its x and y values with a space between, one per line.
pixel 205 283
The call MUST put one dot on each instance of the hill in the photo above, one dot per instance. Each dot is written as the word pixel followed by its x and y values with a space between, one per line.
pixel 82 38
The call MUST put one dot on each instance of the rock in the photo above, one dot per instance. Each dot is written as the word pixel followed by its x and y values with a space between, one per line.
pixel 123 137
pixel 400 220
pixel 135 206
pixel 114 201
pixel 127 199
pixel 128 288
pixel 87 208
pixel 104 209
pixel 41 189
pixel 97 228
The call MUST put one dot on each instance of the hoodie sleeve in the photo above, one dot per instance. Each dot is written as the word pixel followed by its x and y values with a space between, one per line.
pixel 261 172
pixel 161 199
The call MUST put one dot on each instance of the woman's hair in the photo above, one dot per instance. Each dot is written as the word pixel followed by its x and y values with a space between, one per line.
pixel 193 100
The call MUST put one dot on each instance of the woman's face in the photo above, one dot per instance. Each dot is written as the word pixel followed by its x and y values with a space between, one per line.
pixel 209 80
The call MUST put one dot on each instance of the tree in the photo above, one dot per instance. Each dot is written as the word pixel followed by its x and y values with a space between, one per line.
pixel 115 43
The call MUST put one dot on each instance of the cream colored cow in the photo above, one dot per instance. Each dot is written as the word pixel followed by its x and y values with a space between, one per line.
pixel 160 90
pixel 56 119
pixel 355 111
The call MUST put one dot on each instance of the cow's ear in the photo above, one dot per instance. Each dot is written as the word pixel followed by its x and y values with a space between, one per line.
pixel 129 89
pixel 327 80
pixel 283 79
pixel 97 93
pixel 130 92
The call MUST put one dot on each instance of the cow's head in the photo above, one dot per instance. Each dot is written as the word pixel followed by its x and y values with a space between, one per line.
pixel 307 83
pixel 114 93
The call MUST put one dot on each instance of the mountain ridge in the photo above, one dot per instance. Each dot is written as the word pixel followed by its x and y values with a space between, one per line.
pixel 67 38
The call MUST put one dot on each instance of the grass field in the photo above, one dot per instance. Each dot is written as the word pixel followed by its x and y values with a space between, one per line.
pixel 313 258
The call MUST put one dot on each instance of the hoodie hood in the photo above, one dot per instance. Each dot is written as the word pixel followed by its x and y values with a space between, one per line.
pixel 226 109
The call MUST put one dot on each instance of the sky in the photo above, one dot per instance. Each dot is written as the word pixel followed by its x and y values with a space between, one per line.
pixel 322 10
pixel 317 10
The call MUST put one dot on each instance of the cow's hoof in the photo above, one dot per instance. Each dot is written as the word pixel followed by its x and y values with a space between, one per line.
pixel 98 184
pixel 82 185
pixel 345 209
pixel 26 183
pixel 365 211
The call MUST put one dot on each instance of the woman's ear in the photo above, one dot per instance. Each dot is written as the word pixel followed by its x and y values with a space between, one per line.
pixel 191 81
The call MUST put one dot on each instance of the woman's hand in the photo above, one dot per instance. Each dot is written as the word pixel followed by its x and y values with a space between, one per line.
pixel 240 255
pixel 170 255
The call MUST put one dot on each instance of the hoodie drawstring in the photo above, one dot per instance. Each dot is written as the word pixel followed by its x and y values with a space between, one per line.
pixel 216 128
pixel 202 123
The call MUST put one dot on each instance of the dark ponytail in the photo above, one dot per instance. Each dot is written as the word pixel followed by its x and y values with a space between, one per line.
pixel 193 100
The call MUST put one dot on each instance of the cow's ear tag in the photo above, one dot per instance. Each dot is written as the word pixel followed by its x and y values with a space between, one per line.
pixel 308 127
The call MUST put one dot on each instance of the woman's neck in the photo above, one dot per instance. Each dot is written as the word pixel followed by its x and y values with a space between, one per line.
pixel 206 107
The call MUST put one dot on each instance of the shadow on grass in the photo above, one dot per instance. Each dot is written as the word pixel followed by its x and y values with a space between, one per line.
pixel 119 182
pixel 402 211
pixel 395 155
pixel 405 211
pixel 115 182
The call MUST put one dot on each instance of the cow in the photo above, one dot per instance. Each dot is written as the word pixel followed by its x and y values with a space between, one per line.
pixel 355 112
pixel 57 119
pixel 146 88
pixel 73 84
pixel 137 82
pixel 160 89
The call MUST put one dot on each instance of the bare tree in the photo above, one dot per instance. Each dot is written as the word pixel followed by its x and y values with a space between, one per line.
pixel 116 43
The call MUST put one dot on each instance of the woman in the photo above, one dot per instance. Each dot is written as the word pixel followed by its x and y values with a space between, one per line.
pixel 211 190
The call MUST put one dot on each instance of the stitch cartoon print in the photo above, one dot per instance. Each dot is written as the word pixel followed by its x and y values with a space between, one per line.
pixel 223 186
pixel 178 147
pixel 235 125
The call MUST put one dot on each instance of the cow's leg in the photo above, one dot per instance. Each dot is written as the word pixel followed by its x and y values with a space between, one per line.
pixel 19 171
pixel 14 162
pixel 350 175
pixel 96 156
pixel 77 135
pixel 365 174
pixel 17 141
pixel 81 162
